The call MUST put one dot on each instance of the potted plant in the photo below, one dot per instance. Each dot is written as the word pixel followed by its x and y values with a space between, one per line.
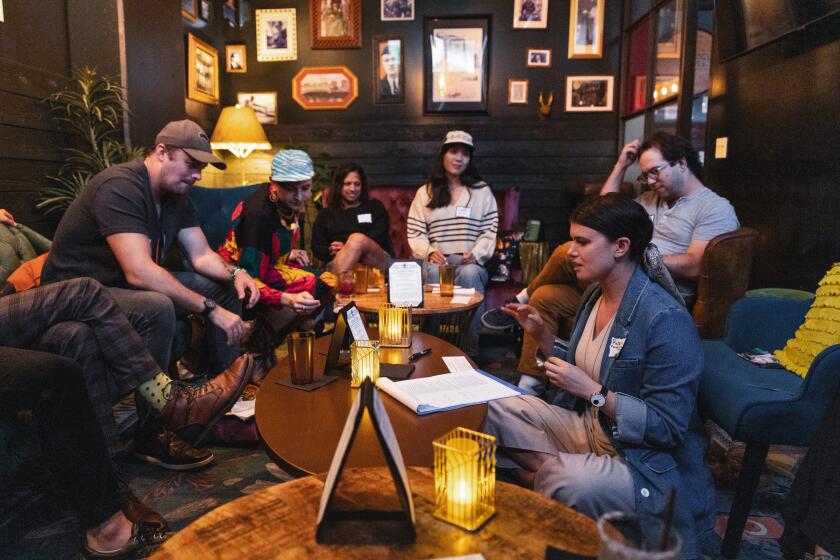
pixel 90 108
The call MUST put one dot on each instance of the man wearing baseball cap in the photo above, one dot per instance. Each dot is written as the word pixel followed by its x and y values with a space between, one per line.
pixel 118 231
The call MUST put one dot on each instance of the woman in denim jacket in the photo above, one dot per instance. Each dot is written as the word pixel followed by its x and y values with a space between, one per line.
pixel 624 427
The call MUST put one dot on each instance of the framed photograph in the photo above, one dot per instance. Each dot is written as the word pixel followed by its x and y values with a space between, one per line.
pixel 586 28
pixel 586 94
pixel 235 59
pixel 229 12
pixel 388 70
pixel 530 14
pixel 206 10
pixel 202 71
pixel 264 104
pixel 325 87
pixel 456 66
pixel 276 35
pixel 517 92
pixel 336 24
pixel 396 10
pixel 189 10
pixel 669 31
pixel 538 58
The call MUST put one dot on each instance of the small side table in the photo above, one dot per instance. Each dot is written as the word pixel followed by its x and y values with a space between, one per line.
pixel 279 522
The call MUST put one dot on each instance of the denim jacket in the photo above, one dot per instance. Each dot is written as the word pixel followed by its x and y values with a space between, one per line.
pixel 653 363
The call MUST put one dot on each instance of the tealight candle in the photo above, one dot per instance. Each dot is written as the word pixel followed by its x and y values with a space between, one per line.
pixel 364 361
pixel 395 325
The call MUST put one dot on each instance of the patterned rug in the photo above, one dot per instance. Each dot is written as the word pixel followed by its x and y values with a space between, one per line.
pixel 35 524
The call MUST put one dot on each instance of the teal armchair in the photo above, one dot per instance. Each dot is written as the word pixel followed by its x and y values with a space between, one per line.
pixel 762 406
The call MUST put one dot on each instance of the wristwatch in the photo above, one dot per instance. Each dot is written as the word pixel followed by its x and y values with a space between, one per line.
pixel 209 306
pixel 599 399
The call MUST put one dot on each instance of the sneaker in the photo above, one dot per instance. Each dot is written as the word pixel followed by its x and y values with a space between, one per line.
pixel 192 410
pixel 498 320
pixel 169 451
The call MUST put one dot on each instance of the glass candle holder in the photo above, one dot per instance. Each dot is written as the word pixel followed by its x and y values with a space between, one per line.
pixel 395 325
pixel 364 361
pixel 465 478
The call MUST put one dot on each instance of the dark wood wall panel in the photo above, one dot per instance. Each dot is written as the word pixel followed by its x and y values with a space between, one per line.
pixel 780 108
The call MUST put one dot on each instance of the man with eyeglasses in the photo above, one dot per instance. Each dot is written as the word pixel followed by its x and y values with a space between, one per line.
pixel 118 232
pixel 686 215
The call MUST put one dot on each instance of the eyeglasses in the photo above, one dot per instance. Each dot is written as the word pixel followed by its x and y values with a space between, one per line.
pixel 653 172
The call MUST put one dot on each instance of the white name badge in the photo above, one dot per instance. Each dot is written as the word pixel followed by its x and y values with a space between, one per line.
pixel 616 344
pixel 462 211
pixel 365 219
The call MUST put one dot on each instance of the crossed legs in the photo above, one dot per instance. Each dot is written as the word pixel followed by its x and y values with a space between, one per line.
pixel 359 248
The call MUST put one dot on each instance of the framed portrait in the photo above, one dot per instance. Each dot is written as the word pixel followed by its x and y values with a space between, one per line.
pixel 517 92
pixel 229 12
pixel 669 30
pixel 388 70
pixel 276 35
pixel 189 10
pixel 206 10
pixel 264 104
pixel 586 94
pixel 396 10
pixel 586 28
pixel 325 87
pixel 456 66
pixel 538 58
pixel 336 24
pixel 530 14
pixel 235 59
pixel 202 71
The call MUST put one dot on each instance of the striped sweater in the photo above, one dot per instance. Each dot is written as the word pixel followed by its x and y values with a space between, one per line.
pixel 449 230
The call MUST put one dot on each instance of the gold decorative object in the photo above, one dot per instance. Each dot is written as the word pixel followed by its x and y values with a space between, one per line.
pixel 545 105
pixel 395 325
pixel 364 361
pixel 533 255
pixel 465 478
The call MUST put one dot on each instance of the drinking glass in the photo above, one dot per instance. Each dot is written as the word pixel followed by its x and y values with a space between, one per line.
pixel 301 354
pixel 633 536
pixel 360 279
pixel 447 280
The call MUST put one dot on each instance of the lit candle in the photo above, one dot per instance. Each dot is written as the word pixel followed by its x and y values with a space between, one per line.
pixel 461 479
pixel 364 361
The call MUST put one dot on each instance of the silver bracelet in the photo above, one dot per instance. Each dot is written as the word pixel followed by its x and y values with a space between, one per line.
pixel 234 271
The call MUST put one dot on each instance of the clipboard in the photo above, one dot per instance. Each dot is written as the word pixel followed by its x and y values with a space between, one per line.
pixel 349 319
pixel 366 525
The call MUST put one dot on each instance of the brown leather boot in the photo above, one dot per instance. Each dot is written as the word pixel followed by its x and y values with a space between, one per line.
pixel 192 410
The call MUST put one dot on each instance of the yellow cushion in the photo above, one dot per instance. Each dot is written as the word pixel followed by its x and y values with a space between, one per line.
pixel 820 330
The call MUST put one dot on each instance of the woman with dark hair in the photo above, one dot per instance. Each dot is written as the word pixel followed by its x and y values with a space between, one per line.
pixel 453 220
pixel 353 228
pixel 623 428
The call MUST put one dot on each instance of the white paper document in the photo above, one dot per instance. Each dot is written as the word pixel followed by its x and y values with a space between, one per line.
pixel 460 300
pixel 458 291
pixel 457 363
pixel 444 392
pixel 243 409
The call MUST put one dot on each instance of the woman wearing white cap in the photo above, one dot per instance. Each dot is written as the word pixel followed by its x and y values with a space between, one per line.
pixel 453 219
pixel 261 240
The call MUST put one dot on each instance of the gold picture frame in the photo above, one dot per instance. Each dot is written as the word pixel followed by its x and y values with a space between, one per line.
pixel 189 10
pixel 236 59
pixel 276 35
pixel 202 71
pixel 586 28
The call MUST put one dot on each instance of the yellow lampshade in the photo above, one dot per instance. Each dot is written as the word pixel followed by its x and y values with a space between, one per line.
pixel 465 478
pixel 239 131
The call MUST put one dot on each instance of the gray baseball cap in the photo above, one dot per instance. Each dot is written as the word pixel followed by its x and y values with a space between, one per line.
pixel 191 138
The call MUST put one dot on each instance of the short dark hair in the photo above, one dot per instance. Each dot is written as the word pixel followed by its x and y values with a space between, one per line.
pixel 674 148
pixel 616 215
pixel 338 181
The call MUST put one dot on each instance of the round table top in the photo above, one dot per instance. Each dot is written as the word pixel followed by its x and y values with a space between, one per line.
pixel 433 304
pixel 280 522
pixel 300 430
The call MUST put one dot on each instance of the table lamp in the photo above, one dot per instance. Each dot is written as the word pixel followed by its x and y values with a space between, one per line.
pixel 239 131
pixel 465 478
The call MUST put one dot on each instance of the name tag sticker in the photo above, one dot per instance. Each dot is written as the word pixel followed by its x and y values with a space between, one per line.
pixel 616 344
pixel 365 219
pixel 462 211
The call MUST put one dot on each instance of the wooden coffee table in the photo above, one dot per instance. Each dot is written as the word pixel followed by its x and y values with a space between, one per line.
pixel 279 522
pixel 451 319
pixel 300 430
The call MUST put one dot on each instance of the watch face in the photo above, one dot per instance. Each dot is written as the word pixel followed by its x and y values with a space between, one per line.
pixel 598 400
